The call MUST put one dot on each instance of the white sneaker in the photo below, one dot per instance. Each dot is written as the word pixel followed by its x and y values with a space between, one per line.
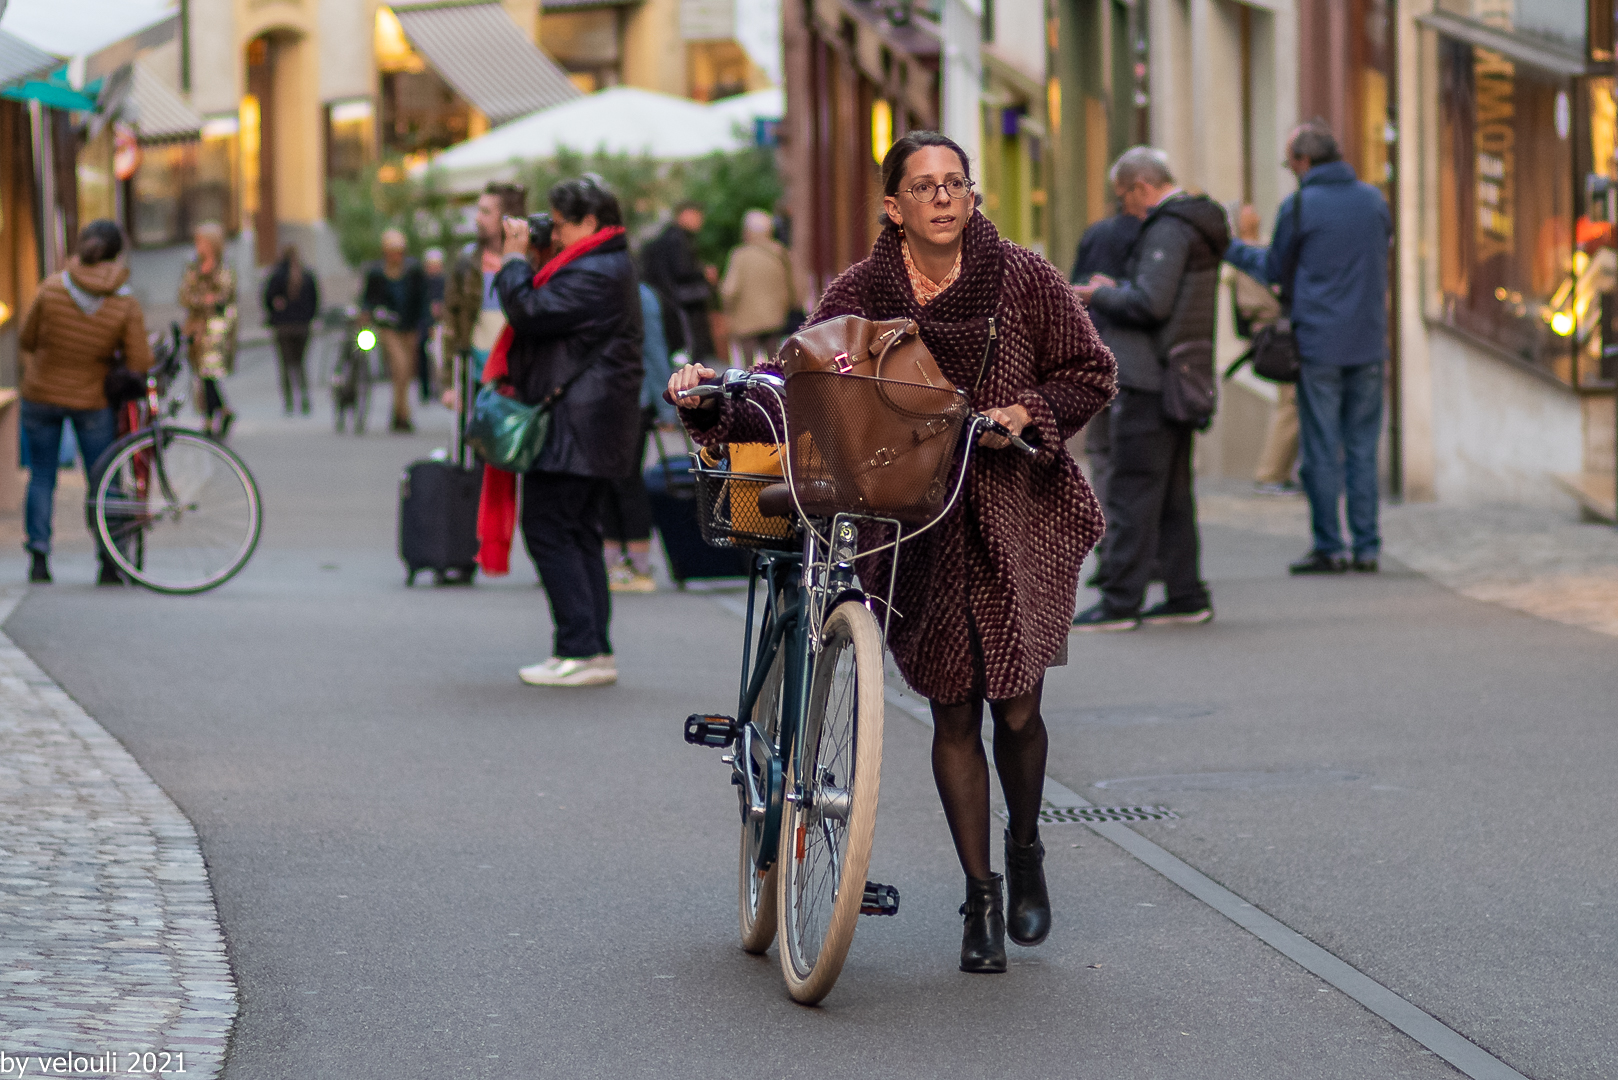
pixel 535 673
pixel 595 671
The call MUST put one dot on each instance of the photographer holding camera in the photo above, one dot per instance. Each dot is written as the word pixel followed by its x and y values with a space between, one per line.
pixel 574 339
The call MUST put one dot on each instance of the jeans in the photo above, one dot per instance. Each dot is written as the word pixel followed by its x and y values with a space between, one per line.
pixel 1339 423
pixel 1151 508
pixel 95 429
pixel 561 524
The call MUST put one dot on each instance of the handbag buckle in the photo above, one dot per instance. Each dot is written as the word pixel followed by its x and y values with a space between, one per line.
pixel 882 457
pixel 843 363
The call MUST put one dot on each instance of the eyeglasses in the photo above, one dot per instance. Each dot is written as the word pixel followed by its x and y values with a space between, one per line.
pixel 926 189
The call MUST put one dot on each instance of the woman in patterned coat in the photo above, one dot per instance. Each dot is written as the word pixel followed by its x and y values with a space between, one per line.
pixel 983 602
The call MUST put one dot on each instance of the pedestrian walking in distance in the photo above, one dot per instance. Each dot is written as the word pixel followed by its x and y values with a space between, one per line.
pixel 395 300
pixel 432 265
pixel 291 299
pixel 987 595
pixel 472 316
pixel 80 319
pixel 1166 298
pixel 1336 229
pixel 670 264
pixel 575 327
pixel 758 290
pixel 208 294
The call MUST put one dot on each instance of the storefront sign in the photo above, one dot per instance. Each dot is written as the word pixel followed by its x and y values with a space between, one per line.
pixel 125 152
pixel 1495 139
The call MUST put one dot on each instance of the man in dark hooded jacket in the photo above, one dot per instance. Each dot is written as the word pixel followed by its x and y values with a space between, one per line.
pixel 1168 297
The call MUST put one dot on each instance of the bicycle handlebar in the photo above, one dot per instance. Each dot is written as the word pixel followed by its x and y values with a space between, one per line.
pixel 736 383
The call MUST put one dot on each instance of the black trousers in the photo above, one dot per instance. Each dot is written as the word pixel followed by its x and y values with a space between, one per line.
pixel 1151 509
pixel 561 524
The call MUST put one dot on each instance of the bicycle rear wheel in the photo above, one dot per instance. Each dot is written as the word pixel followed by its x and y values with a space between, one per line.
pixel 828 826
pixel 180 516
pixel 756 888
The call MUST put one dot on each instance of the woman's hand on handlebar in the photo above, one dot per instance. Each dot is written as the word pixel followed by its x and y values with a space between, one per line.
pixel 1013 419
pixel 685 378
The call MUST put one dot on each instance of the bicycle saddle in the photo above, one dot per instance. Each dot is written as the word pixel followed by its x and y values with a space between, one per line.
pixel 775 500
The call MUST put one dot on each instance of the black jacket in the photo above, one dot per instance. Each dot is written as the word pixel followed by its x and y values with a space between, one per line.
pixel 585 318
pixel 296 310
pixel 669 264
pixel 411 305
pixel 1104 249
pixel 1169 293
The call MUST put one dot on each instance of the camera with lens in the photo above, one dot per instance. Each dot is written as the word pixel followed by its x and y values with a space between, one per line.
pixel 539 230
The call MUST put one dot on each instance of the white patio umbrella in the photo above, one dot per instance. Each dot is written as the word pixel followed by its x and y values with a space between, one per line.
pixel 620 119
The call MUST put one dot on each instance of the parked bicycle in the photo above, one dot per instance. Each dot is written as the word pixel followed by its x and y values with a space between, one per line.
pixel 176 511
pixel 807 735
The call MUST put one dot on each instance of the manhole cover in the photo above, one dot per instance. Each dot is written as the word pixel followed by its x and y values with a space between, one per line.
pixel 1078 815
pixel 1115 716
pixel 1229 781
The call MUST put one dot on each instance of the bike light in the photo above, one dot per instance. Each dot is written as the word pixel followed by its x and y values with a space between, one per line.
pixel 1563 323
pixel 365 340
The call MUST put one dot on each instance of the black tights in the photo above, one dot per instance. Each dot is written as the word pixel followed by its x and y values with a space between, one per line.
pixel 961 771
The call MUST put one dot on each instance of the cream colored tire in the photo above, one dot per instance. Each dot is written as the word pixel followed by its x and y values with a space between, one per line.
pixel 826 832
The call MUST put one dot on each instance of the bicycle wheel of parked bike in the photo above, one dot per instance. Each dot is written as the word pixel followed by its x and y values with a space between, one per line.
pixel 827 827
pixel 756 888
pixel 178 516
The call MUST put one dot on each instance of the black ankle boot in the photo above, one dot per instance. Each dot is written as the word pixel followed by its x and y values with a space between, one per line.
pixel 39 571
pixel 110 574
pixel 1028 905
pixel 983 940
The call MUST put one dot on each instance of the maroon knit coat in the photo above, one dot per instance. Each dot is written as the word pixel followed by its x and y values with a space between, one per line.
pixel 1005 562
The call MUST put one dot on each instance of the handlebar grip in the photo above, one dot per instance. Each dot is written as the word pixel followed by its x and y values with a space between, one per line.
pixel 703 391
pixel 1005 433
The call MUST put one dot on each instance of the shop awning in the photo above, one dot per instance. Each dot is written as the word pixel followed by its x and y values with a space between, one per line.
pixel 53 92
pixel 158 113
pixel 1512 46
pixel 20 61
pixel 478 50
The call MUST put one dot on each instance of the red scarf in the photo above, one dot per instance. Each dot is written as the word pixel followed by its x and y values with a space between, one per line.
pixel 497 505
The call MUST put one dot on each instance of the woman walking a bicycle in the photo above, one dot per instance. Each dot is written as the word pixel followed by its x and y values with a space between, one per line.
pixel 983 602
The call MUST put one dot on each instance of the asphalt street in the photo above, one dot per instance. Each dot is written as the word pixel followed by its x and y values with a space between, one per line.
pixel 425 868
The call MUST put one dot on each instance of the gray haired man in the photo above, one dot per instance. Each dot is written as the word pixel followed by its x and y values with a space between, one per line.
pixel 1167 297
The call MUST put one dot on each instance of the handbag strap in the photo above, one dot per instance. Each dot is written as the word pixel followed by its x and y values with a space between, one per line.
pixel 988 347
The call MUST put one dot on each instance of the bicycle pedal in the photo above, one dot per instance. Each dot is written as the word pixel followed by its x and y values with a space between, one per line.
pixel 879 900
pixel 715 731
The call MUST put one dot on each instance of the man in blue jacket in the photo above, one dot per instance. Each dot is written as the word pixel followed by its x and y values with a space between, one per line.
pixel 1337 229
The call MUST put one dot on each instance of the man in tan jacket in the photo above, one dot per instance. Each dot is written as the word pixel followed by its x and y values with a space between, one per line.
pixel 758 290
pixel 80 319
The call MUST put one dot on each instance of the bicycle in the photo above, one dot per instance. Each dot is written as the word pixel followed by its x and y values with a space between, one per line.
pixel 351 374
pixel 807 735
pixel 176 511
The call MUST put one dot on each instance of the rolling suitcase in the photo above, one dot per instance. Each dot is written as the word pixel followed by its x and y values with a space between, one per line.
pixel 673 493
pixel 438 510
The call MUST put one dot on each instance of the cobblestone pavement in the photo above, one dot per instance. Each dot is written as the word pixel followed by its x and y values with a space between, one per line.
pixel 1537 561
pixel 110 947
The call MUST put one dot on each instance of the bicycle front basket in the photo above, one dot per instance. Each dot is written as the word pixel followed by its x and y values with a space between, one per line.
pixel 864 445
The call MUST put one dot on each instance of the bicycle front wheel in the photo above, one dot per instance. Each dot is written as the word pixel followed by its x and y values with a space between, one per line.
pixel 830 820
pixel 177 516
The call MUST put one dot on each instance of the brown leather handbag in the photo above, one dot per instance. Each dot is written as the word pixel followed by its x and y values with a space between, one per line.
pixel 872 420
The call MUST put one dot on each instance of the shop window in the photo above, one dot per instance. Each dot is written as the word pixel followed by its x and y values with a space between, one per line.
pixel 587 44
pixel 1509 269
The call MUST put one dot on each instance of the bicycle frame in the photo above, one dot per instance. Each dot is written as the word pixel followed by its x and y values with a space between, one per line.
pixel 799 590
